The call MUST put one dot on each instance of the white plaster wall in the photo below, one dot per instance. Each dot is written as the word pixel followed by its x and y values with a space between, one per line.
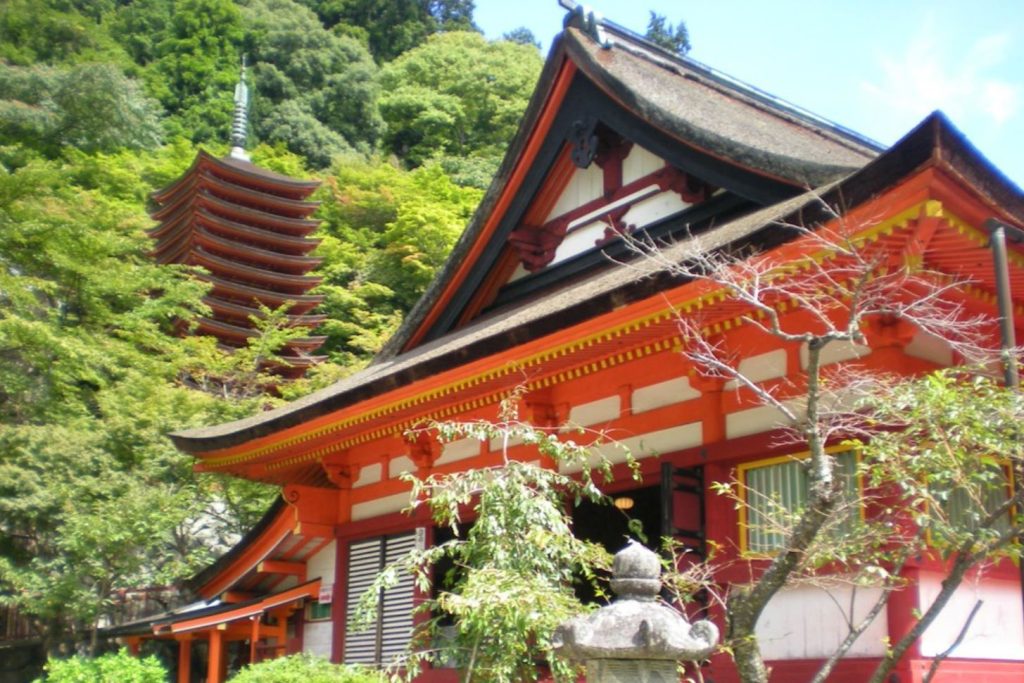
pixel 586 184
pixel 380 506
pixel 368 474
pixel 647 445
pixel 321 565
pixel 808 622
pixel 579 240
pixel 316 638
pixel 663 394
pixel 519 272
pixel 498 443
pixel 752 421
pixel 399 466
pixel 836 352
pixel 317 635
pixel 997 631
pixel 651 209
pixel 930 348
pixel 594 412
pixel 639 163
pixel 458 450
pixel 762 367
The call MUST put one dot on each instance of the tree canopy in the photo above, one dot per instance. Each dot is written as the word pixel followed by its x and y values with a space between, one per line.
pixel 672 38
pixel 457 96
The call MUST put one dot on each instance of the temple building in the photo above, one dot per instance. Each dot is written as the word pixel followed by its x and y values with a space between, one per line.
pixel 248 228
pixel 543 296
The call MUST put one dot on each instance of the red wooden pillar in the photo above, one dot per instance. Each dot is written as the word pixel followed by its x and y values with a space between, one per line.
pixel 216 661
pixel 184 659
pixel 254 639
pixel 133 646
pixel 713 427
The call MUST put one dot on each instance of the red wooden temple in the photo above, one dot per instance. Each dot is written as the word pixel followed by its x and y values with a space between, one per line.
pixel 620 135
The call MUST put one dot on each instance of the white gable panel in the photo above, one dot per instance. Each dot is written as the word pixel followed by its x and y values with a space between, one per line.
pixel 578 241
pixel 649 210
pixel 586 184
pixel 639 163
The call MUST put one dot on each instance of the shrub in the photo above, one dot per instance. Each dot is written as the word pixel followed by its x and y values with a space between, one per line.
pixel 305 668
pixel 119 667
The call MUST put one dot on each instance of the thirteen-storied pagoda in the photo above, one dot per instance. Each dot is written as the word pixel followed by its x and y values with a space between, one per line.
pixel 249 229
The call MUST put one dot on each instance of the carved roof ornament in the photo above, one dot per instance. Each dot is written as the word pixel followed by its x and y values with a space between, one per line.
pixel 584 141
pixel 636 626
pixel 587 20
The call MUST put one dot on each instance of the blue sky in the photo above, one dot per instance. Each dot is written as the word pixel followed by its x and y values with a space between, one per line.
pixel 875 67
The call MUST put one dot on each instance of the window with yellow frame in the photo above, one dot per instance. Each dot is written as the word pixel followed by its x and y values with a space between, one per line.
pixel 774 490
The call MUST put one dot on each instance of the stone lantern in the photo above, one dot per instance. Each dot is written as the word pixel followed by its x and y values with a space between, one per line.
pixel 636 639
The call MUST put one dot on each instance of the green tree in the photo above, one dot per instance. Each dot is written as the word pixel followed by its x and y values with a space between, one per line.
pixel 304 668
pixel 316 91
pixel 457 95
pixel 386 233
pixel 518 553
pixel 196 68
pixel 52 32
pixel 93 496
pixel 523 36
pixel 660 32
pixel 110 668
pixel 93 107
pixel 391 28
pixel 139 26
pixel 948 445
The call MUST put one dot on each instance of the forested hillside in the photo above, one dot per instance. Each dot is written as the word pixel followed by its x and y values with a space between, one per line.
pixel 400 108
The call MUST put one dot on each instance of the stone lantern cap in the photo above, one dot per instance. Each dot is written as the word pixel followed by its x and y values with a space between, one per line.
pixel 636 626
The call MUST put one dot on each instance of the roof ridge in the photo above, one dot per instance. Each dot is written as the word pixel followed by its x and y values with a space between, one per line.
pixel 643 48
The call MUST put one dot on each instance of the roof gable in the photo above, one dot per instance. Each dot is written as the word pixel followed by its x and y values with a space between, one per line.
pixel 750 153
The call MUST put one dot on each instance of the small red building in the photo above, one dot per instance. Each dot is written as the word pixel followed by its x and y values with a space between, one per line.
pixel 619 135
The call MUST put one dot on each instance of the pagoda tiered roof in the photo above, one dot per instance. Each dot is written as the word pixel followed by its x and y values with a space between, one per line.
pixel 248 229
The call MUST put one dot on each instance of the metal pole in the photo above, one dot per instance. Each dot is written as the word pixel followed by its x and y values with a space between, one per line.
pixel 997 239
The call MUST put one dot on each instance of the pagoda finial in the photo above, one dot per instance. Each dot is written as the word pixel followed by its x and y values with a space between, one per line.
pixel 240 124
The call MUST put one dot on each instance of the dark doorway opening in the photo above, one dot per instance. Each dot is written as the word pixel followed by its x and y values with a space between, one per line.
pixel 610 523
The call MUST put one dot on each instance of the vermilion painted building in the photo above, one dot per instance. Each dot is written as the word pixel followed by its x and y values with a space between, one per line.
pixel 619 135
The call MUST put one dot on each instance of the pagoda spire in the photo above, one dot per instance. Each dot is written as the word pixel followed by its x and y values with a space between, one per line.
pixel 240 123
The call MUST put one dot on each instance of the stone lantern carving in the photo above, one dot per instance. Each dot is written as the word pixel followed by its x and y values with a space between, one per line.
pixel 636 639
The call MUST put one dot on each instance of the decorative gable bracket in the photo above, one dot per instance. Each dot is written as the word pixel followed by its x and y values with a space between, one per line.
pixel 536 245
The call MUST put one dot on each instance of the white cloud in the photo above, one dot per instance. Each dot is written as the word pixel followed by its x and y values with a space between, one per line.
pixel 935 70
pixel 1000 100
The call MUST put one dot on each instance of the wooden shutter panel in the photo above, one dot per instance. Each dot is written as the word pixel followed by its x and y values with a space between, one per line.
pixel 398 601
pixel 364 563
pixel 380 644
